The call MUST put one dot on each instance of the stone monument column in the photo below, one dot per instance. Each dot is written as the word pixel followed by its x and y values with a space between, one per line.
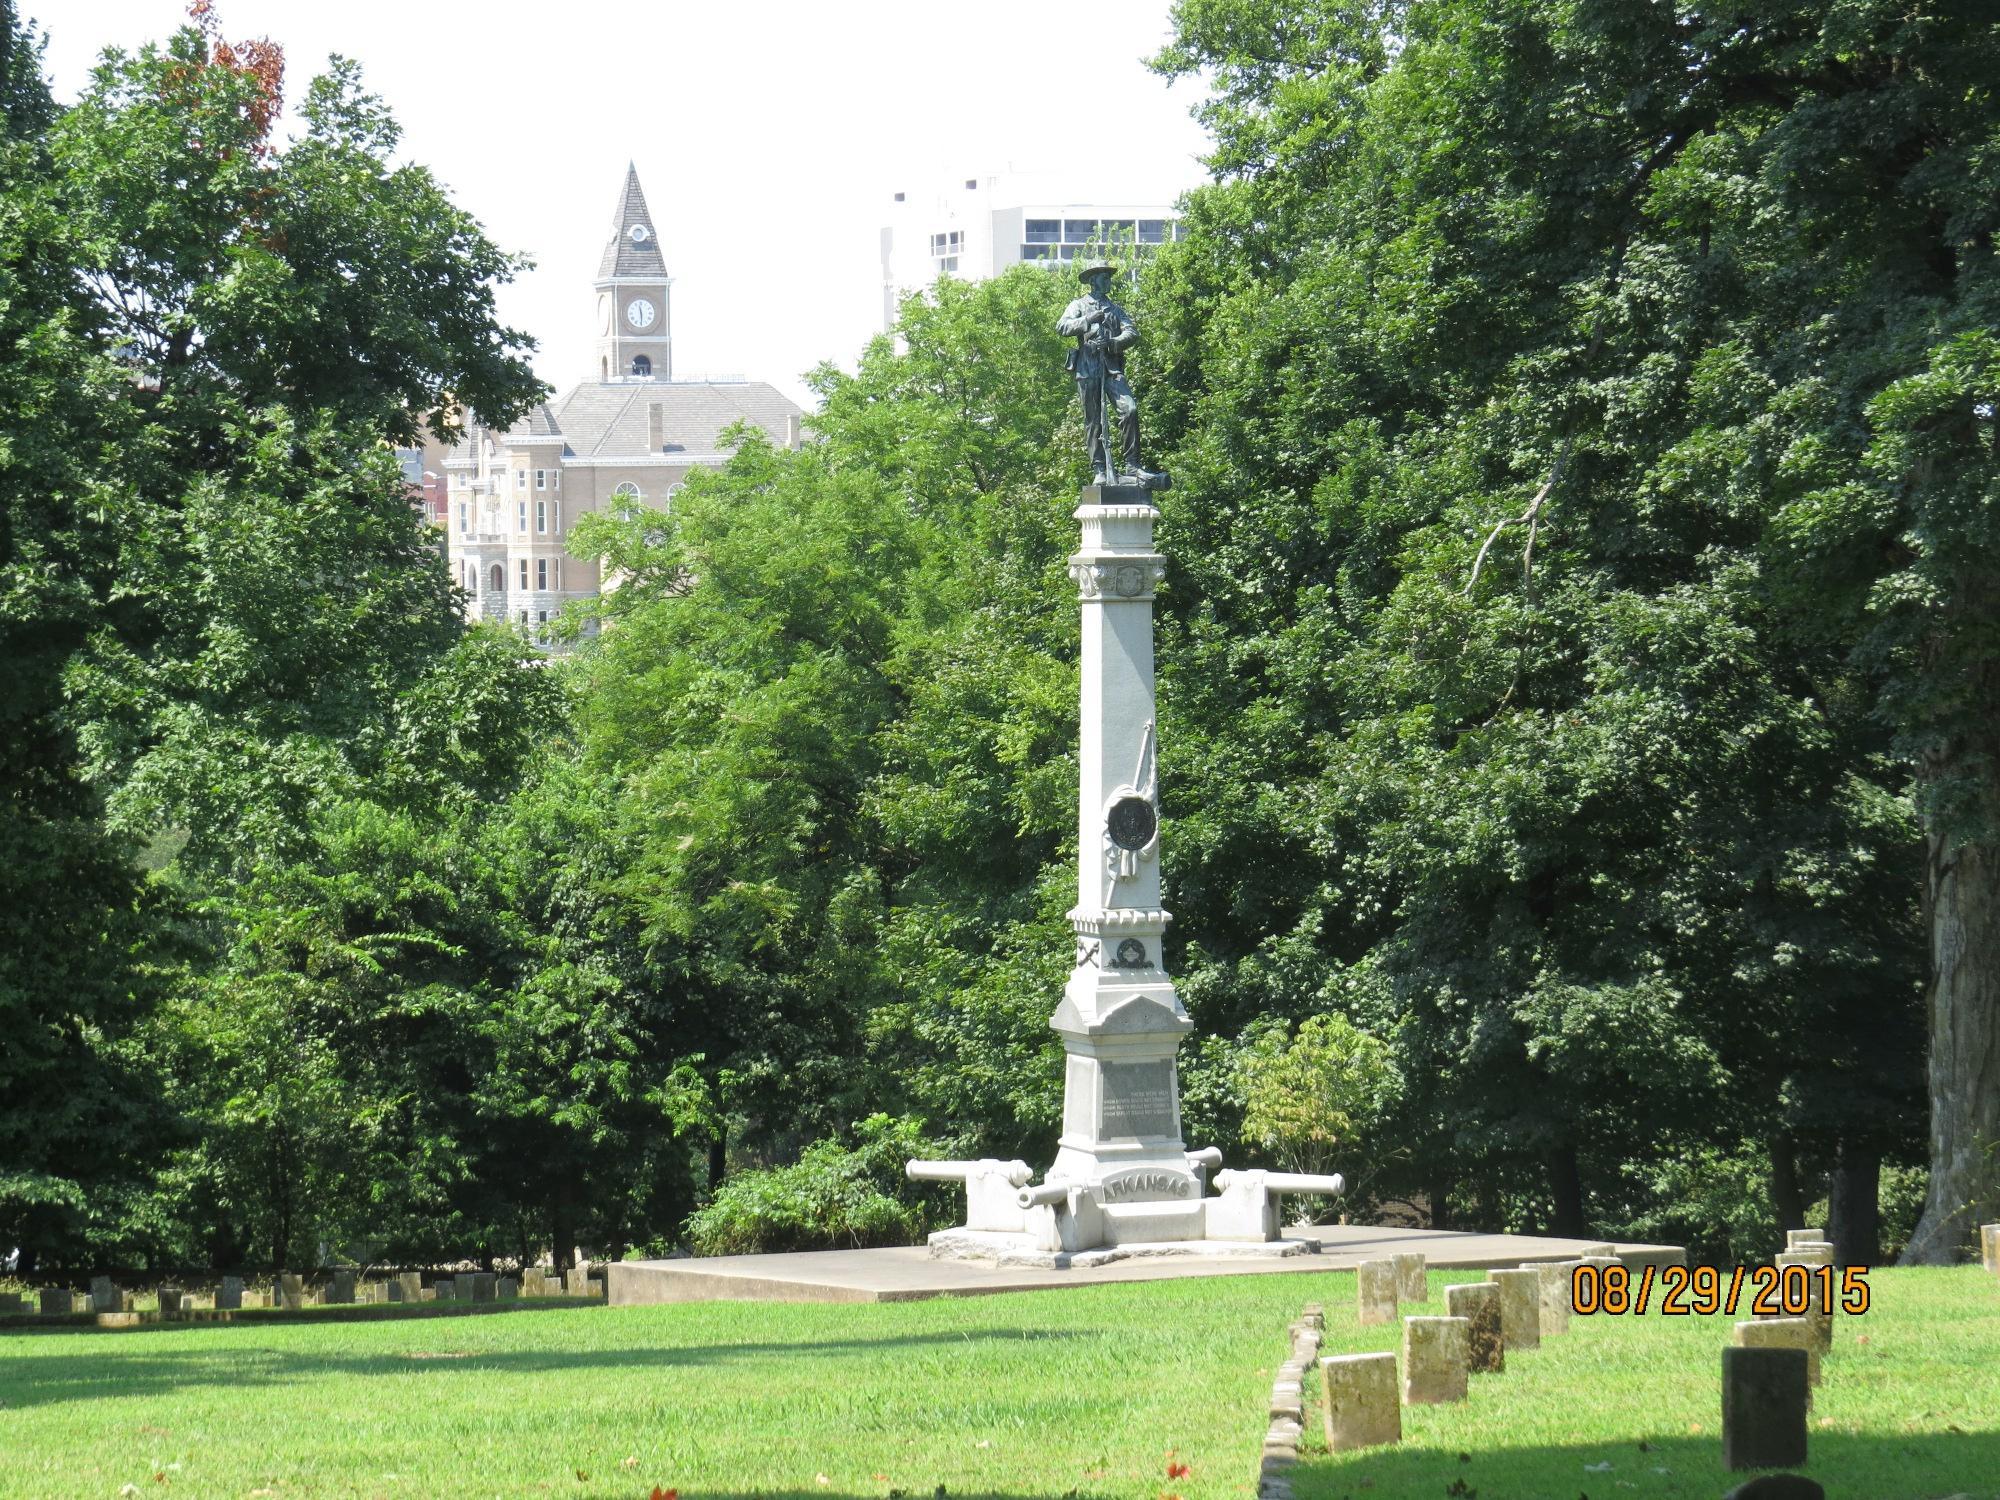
pixel 1120 1019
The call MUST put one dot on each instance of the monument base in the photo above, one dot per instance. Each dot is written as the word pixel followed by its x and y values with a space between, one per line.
pixel 1020 1250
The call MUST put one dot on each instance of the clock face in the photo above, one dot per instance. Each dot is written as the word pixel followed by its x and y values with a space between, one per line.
pixel 639 234
pixel 639 313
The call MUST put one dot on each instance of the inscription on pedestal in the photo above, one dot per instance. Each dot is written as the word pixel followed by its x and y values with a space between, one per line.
pixel 1138 1098
pixel 1146 1185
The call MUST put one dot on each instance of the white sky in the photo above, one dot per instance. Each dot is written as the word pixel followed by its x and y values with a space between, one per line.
pixel 769 135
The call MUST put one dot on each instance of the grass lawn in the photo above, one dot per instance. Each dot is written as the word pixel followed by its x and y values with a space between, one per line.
pixel 1027 1395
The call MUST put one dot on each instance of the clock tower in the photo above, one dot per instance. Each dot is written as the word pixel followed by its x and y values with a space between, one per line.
pixel 634 329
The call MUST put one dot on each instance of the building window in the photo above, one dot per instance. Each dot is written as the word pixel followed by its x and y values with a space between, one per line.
pixel 1152 231
pixel 541 479
pixel 465 518
pixel 542 516
pixel 948 263
pixel 520 479
pixel 626 500
pixel 948 244
pixel 524 571
pixel 1042 231
pixel 1079 231
pixel 521 517
pixel 1037 252
pixel 499 579
pixel 642 366
pixel 524 619
pixel 555 479
pixel 541 573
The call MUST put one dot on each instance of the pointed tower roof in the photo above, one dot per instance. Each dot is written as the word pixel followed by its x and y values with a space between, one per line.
pixel 634 249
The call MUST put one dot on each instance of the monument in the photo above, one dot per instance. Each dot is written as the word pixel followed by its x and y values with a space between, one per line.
pixel 1123 1181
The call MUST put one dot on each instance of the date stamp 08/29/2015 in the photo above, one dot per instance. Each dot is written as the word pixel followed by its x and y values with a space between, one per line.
pixel 1687 1291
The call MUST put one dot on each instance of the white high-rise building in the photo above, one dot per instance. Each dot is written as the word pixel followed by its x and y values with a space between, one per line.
pixel 976 227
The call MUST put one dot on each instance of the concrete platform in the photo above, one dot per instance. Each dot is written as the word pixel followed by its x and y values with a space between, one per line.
pixel 910 1274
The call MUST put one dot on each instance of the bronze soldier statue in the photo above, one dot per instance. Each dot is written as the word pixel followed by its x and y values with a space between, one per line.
pixel 1103 332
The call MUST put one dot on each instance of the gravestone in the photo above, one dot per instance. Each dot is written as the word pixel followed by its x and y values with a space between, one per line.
pixel 56 1300
pixel 1820 1312
pixel 1780 1487
pixel 576 1281
pixel 482 1286
pixel 342 1287
pixel 507 1289
pixel 104 1295
pixel 10 1304
pixel 289 1293
pixel 1435 1354
pixel 1520 1307
pixel 1782 1333
pixel 1989 1247
pixel 534 1281
pixel 1557 1284
pixel 1375 1292
pixel 428 1294
pixel 230 1295
pixel 446 1288
pixel 1411 1285
pixel 1805 1255
pixel 1360 1399
pixel 1763 1407
pixel 173 1301
pixel 1478 1302
pixel 393 1289
pixel 412 1283
pixel 1798 1238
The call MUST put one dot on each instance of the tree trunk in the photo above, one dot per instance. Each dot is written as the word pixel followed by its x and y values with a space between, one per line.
pixel 1788 1199
pixel 1439 1192
pixel 718 1159
pixel 1854 1218
pixel 1566 1187
pixel 1962 887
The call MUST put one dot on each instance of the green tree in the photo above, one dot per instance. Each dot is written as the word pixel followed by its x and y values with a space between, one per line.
pixel 1312 1097
pixel 1505 340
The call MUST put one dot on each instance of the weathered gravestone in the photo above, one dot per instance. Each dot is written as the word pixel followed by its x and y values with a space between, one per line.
pixel 507 1289
pixel 482 1287
pixel 341 1288
pixel 10 1304
pixel 104 1295
pixel 534 1281
pixel 1557 1283
pixel 576 1281
pixel 1360 1399
pixel 229 1295
pixel 1763 1407
pixel 1478 1302
pixel 1796 1239
pixel 412 1283
pixel 1819 1308
pixel 1989 1247
pixel 290 1293
pixel 446 1288
pixel 1411 1285
pixel 1375 1292
pixel 173 1301
pixel 57 1300
pixel 1435 1355
pixel 1520 1307
pixel 1782 1333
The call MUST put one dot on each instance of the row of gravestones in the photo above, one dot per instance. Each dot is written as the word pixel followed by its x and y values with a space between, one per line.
pixel 292 1292
pixel 1767 1372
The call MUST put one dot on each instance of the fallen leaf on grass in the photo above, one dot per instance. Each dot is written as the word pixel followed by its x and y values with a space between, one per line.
pixel 1825 1422
pixel 660 1494
pixel 1860 1338
pixel 984 1443
pixel 628 1462
pixel 582 1477
pixel 821 1479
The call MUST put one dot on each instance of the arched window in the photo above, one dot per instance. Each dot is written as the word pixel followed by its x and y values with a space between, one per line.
pixel 642 366
pixel 626 500
pixel 498 578
pixel 673 490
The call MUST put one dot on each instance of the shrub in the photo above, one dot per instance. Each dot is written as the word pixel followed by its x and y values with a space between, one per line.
pixel 834 1196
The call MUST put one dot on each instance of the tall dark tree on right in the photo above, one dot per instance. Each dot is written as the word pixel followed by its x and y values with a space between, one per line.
pixel 1587 419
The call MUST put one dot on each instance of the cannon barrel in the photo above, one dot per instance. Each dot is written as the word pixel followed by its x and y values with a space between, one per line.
pixel 1208 1156
pixel 1048 1192
pixel 1016 1172
pixel 1276 1183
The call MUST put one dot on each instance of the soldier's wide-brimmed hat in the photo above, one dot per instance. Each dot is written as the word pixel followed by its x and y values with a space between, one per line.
pixel 1084 273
